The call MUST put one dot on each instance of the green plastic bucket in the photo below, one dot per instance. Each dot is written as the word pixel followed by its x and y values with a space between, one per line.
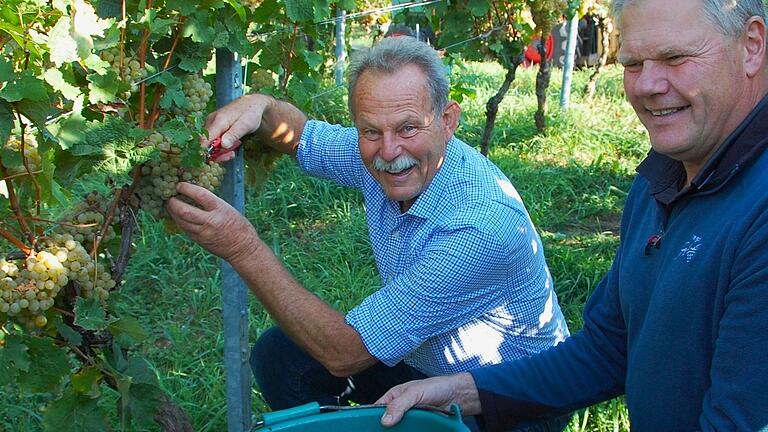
pixel 314 418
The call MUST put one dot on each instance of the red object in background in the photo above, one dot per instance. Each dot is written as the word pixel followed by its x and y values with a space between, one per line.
pixel 532 53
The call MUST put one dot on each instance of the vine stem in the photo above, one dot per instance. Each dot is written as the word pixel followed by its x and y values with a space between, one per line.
pixel 155 113
pixel 107 222
pixel 16 242
pixel 289 60
pixel 17 210
pixel 25 162
pixel 142 62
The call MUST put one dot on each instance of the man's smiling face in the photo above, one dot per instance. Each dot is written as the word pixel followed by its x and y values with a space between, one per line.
pixel 684 79
pixel 402 142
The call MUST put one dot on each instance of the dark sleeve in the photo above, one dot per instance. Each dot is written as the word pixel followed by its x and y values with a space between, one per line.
pixel 585 369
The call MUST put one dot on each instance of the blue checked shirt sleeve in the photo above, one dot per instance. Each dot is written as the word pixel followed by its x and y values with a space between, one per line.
pixel 331 152
pixel 451 282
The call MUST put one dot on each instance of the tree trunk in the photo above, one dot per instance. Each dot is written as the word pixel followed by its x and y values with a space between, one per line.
pixel 492 107
pixel 170 417
pixel 591 87
pixel 542 83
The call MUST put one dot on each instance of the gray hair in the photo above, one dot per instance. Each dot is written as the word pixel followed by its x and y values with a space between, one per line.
pixel 729 16
pixel 394 53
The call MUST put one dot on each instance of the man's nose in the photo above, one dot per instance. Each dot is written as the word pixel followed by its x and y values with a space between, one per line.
pixel 390 148
pixel 652 79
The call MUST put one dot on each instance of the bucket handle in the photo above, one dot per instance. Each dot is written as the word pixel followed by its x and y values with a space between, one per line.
pixel 271 418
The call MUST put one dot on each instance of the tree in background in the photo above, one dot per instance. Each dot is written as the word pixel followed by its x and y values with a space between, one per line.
pixel 545 14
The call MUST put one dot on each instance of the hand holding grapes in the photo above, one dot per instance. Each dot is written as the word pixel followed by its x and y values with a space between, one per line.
pixel 213 223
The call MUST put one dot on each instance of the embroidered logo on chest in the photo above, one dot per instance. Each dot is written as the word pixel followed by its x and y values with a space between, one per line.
pixel 689 249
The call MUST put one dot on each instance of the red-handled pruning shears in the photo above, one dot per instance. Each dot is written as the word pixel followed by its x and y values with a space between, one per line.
pixel 215 149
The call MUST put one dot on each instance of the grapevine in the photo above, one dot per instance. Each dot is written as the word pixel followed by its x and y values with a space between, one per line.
pixel 113 93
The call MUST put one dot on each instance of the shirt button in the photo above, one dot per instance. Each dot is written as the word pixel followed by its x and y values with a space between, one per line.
pixel 396 234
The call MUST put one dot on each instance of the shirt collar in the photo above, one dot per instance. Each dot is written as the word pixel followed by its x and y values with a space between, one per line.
pixel 427 203
pixel 739 149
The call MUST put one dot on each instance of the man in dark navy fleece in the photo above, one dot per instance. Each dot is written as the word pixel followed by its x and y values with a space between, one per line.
pixel 678 325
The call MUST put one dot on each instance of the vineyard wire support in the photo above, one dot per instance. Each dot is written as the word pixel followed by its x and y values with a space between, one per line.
pixel 234 293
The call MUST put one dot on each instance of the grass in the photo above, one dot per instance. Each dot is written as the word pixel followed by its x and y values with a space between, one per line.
pixel 573 179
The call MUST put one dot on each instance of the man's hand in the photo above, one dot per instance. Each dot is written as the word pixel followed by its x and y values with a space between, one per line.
pixel 233 121
pixel 437 391
pixel 214 224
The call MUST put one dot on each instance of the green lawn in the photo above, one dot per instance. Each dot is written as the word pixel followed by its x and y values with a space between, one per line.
pixel 573 179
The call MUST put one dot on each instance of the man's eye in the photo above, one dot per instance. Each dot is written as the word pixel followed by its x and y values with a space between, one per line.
pixel 370 135
pixel 408 130
pixel 676 60
pixel 633 67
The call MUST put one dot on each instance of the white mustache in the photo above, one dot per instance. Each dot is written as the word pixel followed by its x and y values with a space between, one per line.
pixel 400 163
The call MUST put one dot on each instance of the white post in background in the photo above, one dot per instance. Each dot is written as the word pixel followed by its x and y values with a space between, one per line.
pixel 570 54
pixel 234 293
pixel 341 52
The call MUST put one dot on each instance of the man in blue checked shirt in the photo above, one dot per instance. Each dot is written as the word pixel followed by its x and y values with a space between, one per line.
pixel 463 274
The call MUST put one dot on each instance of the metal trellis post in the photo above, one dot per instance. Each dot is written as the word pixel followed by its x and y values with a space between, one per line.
pixel 229 86
pixel 570 54
pixel 340 46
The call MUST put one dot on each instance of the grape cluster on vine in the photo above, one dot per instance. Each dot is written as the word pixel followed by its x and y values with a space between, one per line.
pixel 198 93
pixel 160 176
pixel 127 68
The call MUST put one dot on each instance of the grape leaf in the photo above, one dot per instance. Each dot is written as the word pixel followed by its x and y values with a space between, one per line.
pixel 48 365
pixel 185 7
pixel 50 189
pixel 128 330
pixel 96 64
pixel 61 45
pixel 67 332
pixel 193 62
pixel 155 24
pixel 25 86
pixel 299 10
pixel 69 131
pixel 6 121
pixel 13 358
pixel 196 27
pixel 313 59
pixel 103 88
pixel 6 70
pixel 239 9
pixel 37 112
pixel 90 315
pixel 55 78
pixel 75 412
pixel 86 24
pixel 87 382
pixel 479 7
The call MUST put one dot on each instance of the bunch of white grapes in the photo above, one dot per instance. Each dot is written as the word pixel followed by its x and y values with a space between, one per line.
pixel 261 78
pixel 85 220
pixel 31 154
pixel 131 70
pixel 159 177
pixel 198 93
pixel 28 291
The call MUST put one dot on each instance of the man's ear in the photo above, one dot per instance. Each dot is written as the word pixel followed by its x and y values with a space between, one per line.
pixel 754 46
pixel 450 119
